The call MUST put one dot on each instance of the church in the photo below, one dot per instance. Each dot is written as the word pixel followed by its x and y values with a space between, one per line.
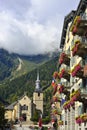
pixel 24 107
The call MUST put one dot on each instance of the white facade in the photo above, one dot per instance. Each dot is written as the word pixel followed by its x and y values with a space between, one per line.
pixel 72 61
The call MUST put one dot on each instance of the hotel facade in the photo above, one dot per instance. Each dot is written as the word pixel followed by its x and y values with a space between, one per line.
pixel 69 101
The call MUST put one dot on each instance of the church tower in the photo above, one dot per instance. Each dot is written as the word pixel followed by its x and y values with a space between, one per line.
pixel 38 95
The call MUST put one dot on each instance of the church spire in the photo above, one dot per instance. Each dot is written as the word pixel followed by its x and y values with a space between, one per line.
pixel 37 82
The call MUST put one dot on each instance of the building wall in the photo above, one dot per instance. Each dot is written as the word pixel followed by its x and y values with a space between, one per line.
pixel 8 115
pixel 26 101
pixel 76 82
pixel 38 100
pixel 17 112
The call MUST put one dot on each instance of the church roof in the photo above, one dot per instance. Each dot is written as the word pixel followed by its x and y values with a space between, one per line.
pixel 11 106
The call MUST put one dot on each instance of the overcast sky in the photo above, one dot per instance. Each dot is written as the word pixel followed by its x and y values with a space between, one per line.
pixel 33 26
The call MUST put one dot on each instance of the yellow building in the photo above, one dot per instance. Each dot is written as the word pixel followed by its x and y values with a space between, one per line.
pixel 21 108
pixel 24 107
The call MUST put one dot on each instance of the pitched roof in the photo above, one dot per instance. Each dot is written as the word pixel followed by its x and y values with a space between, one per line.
pixel 11 106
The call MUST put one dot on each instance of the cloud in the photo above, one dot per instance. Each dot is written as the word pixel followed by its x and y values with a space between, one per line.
pixel 31 26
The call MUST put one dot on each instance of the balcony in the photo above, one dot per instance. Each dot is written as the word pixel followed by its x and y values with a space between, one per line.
pixel 80 48
pixel 64 74
pixel 55 75
pixel 81 118
pixel 60 88
pixel 66 105
pixel 79 25
pixel 56 111
pixel 77 71
pixel 56 99
pixel 75 95
pixel 64 58
pixel 60 122
pixel 54 89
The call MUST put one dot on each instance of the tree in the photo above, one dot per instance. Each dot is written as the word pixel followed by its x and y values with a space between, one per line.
pixel 2 115
pixel 36 116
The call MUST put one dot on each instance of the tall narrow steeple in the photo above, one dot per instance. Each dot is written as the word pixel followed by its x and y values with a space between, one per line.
pixel 37 82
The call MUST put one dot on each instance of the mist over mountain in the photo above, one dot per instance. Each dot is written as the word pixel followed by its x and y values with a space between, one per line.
pixel 14 64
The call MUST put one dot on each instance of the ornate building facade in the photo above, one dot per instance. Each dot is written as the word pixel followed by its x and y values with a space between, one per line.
pixel 70 81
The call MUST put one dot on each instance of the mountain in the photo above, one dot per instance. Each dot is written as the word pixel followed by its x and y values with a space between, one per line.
pixel 11 89
pixel 13 65
pixel 6 63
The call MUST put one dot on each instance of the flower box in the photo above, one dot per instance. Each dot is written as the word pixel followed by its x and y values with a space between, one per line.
pixel 75 70
pixel 60 122
pixel 82 118
pixel 55 75
pixel 61 73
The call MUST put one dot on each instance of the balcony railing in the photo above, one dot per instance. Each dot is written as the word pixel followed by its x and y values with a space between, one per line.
pixel 56 99
pixel 64 74
pixel 77 71
pixel 79 25
pixel 56 111
pixel 80 47
pixel 64 58
pixel 60 122
pixel 55 89
pixel 60 88
pixel 81 118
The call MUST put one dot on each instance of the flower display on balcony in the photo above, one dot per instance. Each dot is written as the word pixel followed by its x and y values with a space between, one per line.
pixel 72 103
pixel 78 120
pixel 57 111
pixel 61 73
pixel 76 22
pixel 82 118
pixel 74 31
pixel 60 122
pixel 64 58
pixel 75 95
pixel 55 88
pixel 64 74
pixel 56 98
pixel 75 47
pixel 66 105
pixel 55 75
pixel 60 88
pixel 76 69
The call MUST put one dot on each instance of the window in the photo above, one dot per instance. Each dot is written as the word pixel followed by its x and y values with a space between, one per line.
pixel 24 98
pixel 65 122
pixel 24 107
pixel 38 94
pixel 85 124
